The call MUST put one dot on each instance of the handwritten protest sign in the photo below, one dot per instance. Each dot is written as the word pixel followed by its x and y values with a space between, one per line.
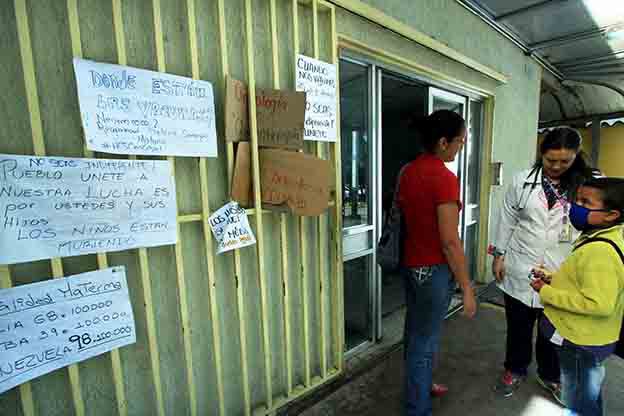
pixel 53 207
pixel 236 111
pixel 280 116
pixel 128 110
pixel 52 324
pixel 318 80
pixel 296 179
pixel 242 189
pixel 230 227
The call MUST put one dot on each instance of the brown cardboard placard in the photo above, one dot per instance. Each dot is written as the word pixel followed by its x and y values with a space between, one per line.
pixel 241 191
pixel 281 116
pixel 236 110
pixel 299 180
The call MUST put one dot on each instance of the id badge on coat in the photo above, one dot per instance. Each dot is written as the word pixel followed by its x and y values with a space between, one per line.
pixel 565 235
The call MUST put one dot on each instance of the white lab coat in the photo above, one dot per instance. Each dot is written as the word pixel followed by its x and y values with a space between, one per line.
pixel 530 233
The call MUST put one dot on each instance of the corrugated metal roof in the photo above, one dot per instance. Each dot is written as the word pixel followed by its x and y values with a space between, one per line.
pixel 580 42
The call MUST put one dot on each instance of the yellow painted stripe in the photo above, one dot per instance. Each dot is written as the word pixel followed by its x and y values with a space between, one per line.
pixel 152 335
pixel 338 292
pixel 240 293
pixel 322 234
pixel 118 378
pixel 283 221
pixel 30 82
pixel 255 168
pixel 32 97
pixel 375 15
pixel 180 276
pixel 26 397
pixel 212 283
pixel 302 240
pixel 204 217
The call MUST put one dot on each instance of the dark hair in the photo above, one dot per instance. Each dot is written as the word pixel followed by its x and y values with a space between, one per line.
pixel 441 123
pixel 612 190
pixel 580 171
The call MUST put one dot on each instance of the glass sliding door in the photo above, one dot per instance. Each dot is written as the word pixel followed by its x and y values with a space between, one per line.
pixel 358 193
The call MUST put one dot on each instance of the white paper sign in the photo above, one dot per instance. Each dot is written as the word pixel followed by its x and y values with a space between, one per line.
pixel 128 110
pixel 52 324
pixel 230 227
pixel 57 207
pixel 318 80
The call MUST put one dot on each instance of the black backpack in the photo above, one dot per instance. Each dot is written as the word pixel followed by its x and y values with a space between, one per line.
pixel 619 348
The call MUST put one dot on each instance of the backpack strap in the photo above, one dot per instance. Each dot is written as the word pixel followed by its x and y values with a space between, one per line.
pixel 602 240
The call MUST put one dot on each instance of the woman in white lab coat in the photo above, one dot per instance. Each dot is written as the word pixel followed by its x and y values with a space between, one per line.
pixel 534 229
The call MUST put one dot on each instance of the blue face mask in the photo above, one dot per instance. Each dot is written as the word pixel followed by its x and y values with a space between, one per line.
pixel 579 217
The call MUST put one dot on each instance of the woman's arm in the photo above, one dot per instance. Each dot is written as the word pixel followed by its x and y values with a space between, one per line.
pixel 506 223
pixel 448 224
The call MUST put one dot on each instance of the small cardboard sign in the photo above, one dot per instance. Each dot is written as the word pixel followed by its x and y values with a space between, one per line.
pixel 230 227
pixel 241 190
pixel 281 116
pixel 236 111
pixel 299 180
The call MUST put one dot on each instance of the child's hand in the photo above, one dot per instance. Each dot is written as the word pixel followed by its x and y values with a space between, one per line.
pixel 538 284
pixel 541 273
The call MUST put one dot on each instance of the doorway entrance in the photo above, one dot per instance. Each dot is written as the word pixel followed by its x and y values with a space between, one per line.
pixel 378 108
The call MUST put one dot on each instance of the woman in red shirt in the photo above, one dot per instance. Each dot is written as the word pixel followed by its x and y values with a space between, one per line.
pixel 433 254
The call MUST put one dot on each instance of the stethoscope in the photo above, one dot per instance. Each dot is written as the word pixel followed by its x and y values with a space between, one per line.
pixel 535 173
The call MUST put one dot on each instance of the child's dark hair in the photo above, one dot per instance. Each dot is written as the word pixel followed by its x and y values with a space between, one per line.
pixel 580 171
pixel 439 124
pixel 612 190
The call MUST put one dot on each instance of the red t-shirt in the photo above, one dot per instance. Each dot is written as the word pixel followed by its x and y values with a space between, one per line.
pixel 425 183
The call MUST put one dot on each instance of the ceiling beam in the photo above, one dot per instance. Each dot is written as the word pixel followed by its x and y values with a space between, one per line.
pixel 580 120
pixel 594 66
pixel 590 59
pixel 593 73
pixel 528 9
pixel 574 37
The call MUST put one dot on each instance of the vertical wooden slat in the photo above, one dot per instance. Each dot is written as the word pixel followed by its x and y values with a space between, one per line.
pixel 255 168
pixel 240 293
pixel 181 279
pixel 143 257
pixel 102 260
pixel 338 292
pixel 210 261
pixel 282 219
pixel 322 231
pixel 32 97
pixel 302 233
pixel 26 397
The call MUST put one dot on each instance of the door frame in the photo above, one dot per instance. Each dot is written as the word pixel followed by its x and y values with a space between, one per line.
pixel 379 61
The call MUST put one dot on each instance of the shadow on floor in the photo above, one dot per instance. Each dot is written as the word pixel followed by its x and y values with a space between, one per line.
pixel 470 360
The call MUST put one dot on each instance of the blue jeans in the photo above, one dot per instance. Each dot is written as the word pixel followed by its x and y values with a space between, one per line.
pixel 428 298
pixel 582 376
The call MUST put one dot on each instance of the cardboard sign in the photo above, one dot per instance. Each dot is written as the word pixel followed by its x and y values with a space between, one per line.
pixel 58 322
pixel 280 116
pixel 241 190
pixel 128 110
pixel 236 111
pixel 58 207
pixel 230 227
pixel 298 180
pixel 318 80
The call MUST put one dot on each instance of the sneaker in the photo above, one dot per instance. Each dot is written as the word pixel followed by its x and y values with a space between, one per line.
pixel 552 387
pixel 438 390
pixel 508 383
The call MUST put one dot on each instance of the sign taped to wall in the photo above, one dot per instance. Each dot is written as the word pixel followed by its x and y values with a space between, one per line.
pixel 299 180
pixel 54 323
pixel 236 111
pixel 57 207
pixel 280 116
pixel 128 110
pixel 318 80
pixel 230 227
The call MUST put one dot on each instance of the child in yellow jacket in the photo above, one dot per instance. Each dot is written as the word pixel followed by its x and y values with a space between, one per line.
pixel 584 300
